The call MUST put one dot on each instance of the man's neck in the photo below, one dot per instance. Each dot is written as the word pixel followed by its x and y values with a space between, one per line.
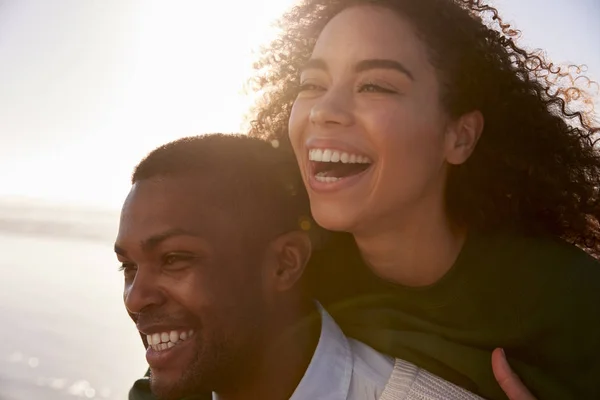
pixel 412 251
pixel 277 373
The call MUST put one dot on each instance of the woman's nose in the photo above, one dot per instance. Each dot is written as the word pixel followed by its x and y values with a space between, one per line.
pixel 334 108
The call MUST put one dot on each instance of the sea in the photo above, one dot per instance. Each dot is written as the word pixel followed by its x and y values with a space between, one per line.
pixel 64 331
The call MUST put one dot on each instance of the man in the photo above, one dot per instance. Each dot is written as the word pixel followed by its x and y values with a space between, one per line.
pixel 213 257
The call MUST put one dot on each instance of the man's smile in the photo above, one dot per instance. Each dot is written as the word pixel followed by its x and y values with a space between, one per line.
pixel 160 341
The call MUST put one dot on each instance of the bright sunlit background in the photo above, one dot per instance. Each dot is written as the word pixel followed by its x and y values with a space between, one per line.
pixel 87 88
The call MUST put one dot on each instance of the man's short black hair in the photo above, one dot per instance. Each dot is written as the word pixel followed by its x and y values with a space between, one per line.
pixel 263 182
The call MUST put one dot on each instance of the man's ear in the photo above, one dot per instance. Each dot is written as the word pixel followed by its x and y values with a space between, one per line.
pixel 290 253
pixel 462 137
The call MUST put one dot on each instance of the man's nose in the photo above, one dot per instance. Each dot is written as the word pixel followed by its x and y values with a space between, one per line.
pixel 143 292
pixel 334 108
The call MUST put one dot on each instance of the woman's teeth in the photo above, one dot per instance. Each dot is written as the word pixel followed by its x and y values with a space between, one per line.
pixel 338 165
pixel 165 340
pixel 328 155
pixel 322 177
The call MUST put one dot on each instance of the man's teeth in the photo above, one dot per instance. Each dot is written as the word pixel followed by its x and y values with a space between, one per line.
pixel 166 340
pixel 328 155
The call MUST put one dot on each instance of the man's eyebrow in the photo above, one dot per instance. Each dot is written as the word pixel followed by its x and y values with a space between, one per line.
pixel 154 240
pixel 314 63
pixel 377 63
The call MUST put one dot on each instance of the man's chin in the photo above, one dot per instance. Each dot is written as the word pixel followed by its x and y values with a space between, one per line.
pixel 173 372
pixel 178 383
pixel 168 388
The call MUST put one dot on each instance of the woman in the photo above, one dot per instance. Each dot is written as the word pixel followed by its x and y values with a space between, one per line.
pixel 467 176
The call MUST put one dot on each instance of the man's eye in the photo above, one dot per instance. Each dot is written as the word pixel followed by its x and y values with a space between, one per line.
pixel 127 268
pixel 175 260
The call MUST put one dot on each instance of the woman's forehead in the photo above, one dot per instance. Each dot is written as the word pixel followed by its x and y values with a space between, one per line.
pixel 368 32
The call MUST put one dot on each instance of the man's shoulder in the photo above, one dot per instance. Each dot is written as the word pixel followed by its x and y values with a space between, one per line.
pixel 370 362
pixel 381 377
pixel 387 378
pixel 409 382
pixel 371 370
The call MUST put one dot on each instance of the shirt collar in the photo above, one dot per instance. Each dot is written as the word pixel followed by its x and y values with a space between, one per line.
pixel 330 370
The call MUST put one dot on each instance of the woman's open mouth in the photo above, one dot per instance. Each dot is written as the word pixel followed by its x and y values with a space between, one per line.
pixel 329 166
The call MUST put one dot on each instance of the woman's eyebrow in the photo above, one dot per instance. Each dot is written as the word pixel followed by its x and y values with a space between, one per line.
pixel 314 63
pixel 362 66
pixel 377 63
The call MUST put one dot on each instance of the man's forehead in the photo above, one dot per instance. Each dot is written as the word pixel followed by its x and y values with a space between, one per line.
pixel 180 202
pixel 199 189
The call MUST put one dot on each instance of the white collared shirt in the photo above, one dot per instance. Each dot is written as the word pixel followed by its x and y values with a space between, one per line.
pixel 343 368
pixel 346 369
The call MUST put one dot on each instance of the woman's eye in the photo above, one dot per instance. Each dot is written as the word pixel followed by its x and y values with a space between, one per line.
pixel 374 88
pixel 309 87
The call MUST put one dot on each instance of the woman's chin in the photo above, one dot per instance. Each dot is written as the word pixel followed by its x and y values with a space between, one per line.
pixel 334 217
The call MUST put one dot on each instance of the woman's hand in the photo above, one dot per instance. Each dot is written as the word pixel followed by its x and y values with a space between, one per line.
pixel 508 380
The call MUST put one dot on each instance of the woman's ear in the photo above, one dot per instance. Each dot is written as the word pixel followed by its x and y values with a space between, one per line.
pixel 462 137
pixel 290 253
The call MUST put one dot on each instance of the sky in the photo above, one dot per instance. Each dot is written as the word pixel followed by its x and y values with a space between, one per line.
pixel 88 87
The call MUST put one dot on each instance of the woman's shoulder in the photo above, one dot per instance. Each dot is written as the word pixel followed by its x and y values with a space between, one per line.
pixel 560 307
pixel 555 278
pixel 536 255
pixel 544 280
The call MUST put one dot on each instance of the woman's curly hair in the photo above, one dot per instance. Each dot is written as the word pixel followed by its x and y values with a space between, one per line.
pixel 536 167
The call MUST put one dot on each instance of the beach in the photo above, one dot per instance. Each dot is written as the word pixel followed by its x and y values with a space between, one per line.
pixel 64 330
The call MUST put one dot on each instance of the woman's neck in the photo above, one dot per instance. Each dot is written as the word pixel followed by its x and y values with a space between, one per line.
pixel 416 251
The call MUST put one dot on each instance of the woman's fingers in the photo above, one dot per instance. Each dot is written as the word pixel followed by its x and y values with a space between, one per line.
pixel 507 379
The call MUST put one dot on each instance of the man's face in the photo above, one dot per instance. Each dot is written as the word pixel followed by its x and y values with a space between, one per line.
pixel 192 286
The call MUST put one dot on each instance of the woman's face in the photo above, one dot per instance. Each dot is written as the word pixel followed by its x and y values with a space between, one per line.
pixel 370 135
